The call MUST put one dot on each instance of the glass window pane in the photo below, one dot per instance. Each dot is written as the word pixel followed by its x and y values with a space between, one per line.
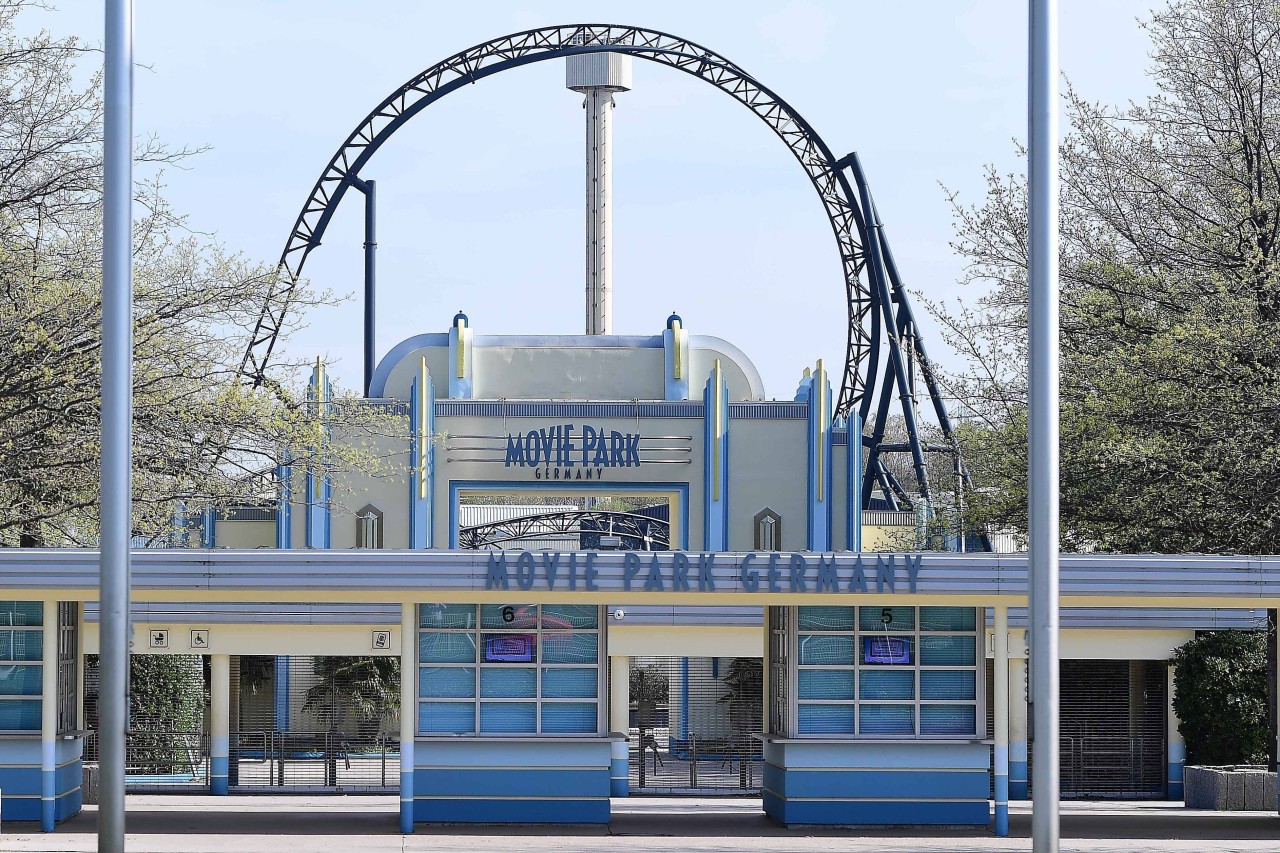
pixel 569 683
pixel 447 717
pixel 20 613
pixel 20 680
pixel 510 648
pixel 21 645
pixel 826 619
pixel 501 682
pixel 508 717
pixel 569 718
pixel 887 650
pixel 509 616
pixel 447 682
pixel 947 719
pixel 446 648
pixel 446 615
pixel 948 651
pixel 570 616
pixel 887 618
pixel 948 684
pixel 948 619
pixel 567 647
pixel 816 649
pixel 20 715
pixel 886 719
pixel 825 684
pixel 886 684
pixel 825 719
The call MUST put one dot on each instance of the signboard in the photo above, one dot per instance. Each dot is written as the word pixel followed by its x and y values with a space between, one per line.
pixel 572 451
pixel 678 571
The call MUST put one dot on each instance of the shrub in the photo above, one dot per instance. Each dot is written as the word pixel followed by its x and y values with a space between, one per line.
pixel 1220 697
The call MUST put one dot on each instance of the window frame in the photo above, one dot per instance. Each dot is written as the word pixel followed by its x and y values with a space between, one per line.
pixel 478 631
pixel 38 696
pixel 916 634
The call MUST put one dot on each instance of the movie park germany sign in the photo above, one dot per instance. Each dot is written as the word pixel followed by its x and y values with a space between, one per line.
pixel 677 571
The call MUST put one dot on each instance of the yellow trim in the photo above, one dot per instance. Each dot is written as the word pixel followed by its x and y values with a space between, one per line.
pixel 820 385
pixel 423 376
pixel 462 351
pixel 318 479
pixel 677 372
pixel 717 429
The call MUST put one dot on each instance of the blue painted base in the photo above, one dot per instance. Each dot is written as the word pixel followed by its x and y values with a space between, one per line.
pixel 497 781
pixel 510 811
pixel 29 793
pixel 1018 787
pixel 846 783
pixel 874 813
pixel 619 777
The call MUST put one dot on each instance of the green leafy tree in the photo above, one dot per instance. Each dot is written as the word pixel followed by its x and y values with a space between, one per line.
pixel 1170 296
pixel 1220 697
pixel 354 694
pixel 202 436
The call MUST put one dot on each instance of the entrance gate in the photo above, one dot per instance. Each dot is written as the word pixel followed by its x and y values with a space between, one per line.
pixel 692 725
pixel 317 724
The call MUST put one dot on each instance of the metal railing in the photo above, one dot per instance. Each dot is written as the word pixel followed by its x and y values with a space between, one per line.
pixel 324 760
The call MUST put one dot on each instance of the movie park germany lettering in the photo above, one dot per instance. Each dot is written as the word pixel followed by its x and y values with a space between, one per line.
pixel 569 452
pixel 676 571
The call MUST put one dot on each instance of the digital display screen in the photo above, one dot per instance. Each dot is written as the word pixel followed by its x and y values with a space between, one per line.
pixel 887 650
pixel 508 648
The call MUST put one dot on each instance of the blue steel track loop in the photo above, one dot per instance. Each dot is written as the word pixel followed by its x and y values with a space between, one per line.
pixel 845 211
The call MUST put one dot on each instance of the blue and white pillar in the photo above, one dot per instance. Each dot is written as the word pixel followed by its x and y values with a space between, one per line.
pixel 1001 715
pixel 675 348
pixel 180 534
pixel 1019 787
pixel 208 535
pixel 620 725
pixel 319 484
pixel 1177 750
pixel 853 483
pixel 284 504
pixel 408 708
pixel 49 720
pixel 461 363
pixel 819 490
pixel 422 424
pixel 219 724
pixel 715 463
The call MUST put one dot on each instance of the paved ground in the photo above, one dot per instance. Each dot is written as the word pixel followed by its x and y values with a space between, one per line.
pixel 356 824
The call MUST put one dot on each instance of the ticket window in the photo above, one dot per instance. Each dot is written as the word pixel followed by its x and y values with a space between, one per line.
pixel 502 670
pixel 876 672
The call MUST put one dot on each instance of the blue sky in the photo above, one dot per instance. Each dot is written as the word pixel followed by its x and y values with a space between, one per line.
pixel 480 196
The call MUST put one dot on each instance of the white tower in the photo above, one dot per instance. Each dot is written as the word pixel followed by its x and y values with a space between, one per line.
pixel 598 76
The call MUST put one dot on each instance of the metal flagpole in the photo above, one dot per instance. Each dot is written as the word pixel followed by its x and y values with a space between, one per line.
pixel 117 414
pixel 1042 233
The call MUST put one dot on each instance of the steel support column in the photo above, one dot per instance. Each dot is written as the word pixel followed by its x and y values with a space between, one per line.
pixel 117 428
pixel 1042 380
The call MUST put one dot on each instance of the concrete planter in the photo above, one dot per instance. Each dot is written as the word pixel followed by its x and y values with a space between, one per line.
pixel 1230 789
pixel 89 784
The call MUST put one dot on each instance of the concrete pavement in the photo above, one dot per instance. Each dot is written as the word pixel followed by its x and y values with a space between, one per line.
pixel 303 824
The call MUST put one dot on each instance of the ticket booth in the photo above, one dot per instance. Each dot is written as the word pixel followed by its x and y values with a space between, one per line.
pixel 511 717
pixel 875 716
pixel 40 739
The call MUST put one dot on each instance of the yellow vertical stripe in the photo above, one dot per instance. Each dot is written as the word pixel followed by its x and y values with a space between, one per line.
pixel 422 436
pixel 717 429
